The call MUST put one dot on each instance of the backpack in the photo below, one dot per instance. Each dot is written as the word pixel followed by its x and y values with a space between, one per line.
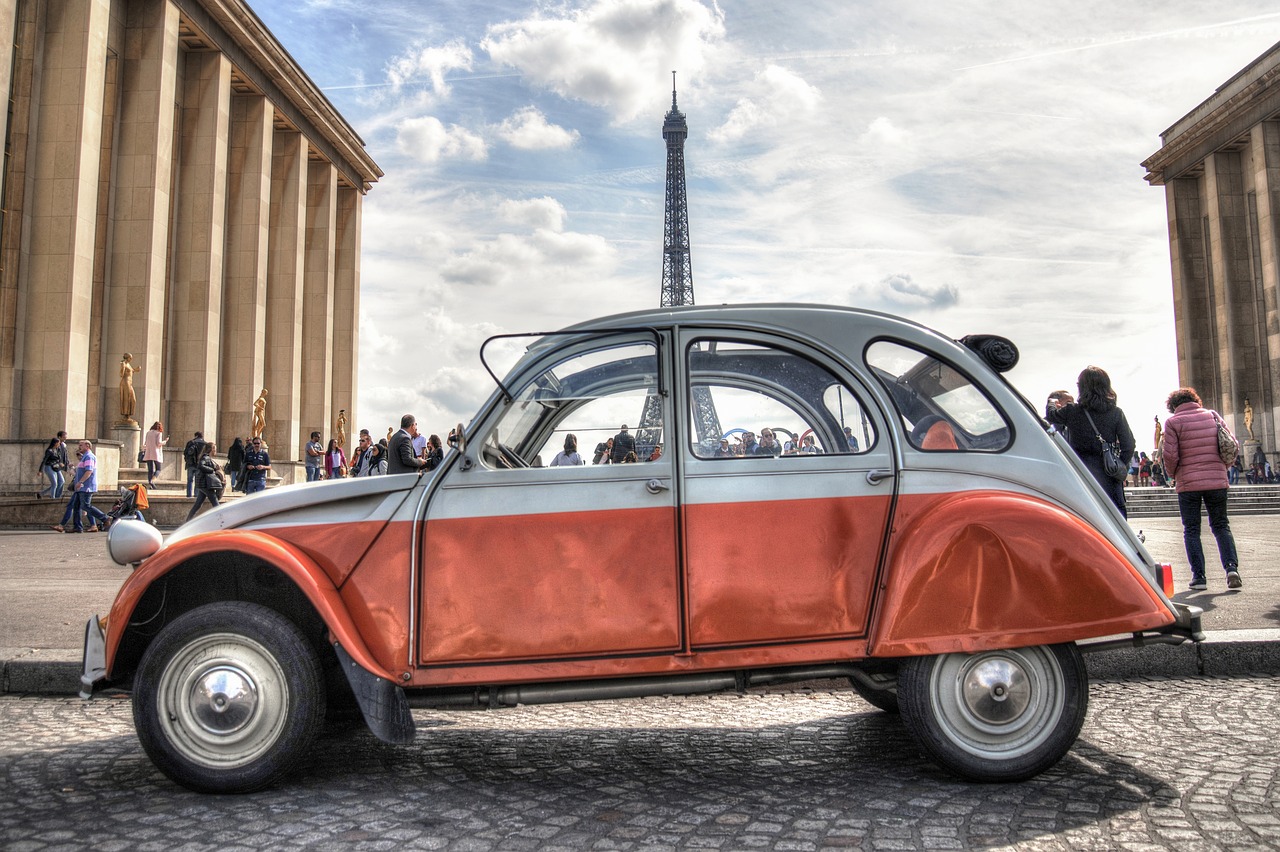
pixel 191 452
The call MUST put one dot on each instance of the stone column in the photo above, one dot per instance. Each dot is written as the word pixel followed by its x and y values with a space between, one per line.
pixel 136 309
pixel 1231 271
pixel 286 239
pixel 1266 147
pixel 346 310
pixel 199 240
pixel 65 162
pixel 244 294
pixel 317 308
pixel 1192 296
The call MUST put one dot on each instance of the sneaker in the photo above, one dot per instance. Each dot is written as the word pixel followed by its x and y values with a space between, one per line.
pixel 1198 584
pixel 1233 580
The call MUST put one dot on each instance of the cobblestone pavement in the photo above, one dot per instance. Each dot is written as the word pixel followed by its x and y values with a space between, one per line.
pixel 1161 764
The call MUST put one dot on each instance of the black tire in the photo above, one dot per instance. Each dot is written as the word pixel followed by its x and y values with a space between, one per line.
pixel 228 698
pixel 881 699
pixel 996 715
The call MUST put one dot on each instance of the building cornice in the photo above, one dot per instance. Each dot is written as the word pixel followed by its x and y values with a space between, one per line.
pixel 236 31
pixel 1220 122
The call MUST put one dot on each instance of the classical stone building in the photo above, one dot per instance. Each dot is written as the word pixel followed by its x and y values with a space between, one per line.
pixel 1220 167
pixel 174 186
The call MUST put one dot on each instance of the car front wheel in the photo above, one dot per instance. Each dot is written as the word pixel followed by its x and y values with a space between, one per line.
pixel 228 698
pixel 1002 715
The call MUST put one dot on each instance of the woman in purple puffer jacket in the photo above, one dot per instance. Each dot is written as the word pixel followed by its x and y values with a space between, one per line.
pixel 1190 454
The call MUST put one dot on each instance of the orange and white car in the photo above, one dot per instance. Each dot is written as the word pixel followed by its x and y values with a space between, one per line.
pixel 918 530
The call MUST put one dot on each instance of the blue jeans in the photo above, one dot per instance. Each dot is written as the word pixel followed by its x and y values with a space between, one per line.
pixel 313 473
pixel 83 502
pixel 56 482
pixel 253 486
pixel 191 481
pixel 1215 501
pixel 153 467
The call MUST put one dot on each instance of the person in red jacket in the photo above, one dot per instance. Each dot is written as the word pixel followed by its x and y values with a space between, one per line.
pixel 1191 456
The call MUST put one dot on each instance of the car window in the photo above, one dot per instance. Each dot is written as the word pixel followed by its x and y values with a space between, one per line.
pixel 942 408
pixel 590 396
pixel 749 400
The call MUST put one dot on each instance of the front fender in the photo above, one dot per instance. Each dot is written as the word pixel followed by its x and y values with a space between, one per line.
pixel 988 569
pixel 289 560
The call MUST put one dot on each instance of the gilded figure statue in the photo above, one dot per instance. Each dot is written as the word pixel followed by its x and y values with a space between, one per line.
pixel 260 414
pixel 1248 418
pixel 1159 434
pixel 341 427
pixel 127 397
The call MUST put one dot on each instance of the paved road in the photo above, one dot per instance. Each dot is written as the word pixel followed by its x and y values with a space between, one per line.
pixel 1161 764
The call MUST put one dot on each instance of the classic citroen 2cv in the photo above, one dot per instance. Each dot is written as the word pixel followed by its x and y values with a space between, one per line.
pixel 820 492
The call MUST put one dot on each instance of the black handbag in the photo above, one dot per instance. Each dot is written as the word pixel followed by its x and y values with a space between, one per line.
pixel 1112 464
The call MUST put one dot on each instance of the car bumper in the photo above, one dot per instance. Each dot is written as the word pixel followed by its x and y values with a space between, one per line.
pixel 95 657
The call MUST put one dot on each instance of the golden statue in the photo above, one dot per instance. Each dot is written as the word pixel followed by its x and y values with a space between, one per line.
pixel 1248 418
pixel 1159 434
pixel 260 414
pixel 341 427
pixel 127 397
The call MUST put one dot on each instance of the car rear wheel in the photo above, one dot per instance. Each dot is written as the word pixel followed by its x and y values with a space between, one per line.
pixel 228 698
pixel 996 715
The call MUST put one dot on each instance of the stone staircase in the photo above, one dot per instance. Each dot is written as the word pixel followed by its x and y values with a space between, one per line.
pixel 1244 499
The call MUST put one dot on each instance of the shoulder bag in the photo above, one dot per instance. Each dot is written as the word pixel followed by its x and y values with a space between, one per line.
pixel 1228 449
pixel 1112 464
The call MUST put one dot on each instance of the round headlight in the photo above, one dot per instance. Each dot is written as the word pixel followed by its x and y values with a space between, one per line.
pixel 130 541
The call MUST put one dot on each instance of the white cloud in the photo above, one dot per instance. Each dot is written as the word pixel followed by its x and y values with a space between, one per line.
pixel 427 139
pixel 609 53
pixel 776 95
pixel 545 213
pixel 421 63
pixel 528 129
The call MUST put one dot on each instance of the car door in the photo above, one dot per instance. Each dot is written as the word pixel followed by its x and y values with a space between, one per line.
pixel 788 485
pixel 525 561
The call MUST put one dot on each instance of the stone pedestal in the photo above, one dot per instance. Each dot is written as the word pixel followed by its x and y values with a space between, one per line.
pixel 130 437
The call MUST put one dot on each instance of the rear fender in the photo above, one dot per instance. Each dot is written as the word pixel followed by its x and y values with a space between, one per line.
pixel 309 578
pixel 987 569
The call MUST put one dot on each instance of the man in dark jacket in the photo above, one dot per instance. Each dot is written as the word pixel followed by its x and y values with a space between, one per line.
pixel 191 454
pixel 256 464
pixel 401 458
pixel 623 443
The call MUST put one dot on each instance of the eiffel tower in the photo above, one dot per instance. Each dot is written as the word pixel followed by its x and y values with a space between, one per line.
pixel 677 278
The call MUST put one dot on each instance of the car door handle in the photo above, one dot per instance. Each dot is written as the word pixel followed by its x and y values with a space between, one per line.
pixel 875 476
pixel 656 486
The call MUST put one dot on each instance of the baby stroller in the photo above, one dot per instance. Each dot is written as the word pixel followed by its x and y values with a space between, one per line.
pixel 133 499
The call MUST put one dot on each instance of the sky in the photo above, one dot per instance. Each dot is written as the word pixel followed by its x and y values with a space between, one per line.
pixel 974 166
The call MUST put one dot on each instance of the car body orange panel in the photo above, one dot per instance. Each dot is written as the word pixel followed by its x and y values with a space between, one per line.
pixel 559 584
pixel 336 548
pixel 983 569
pixel 377 596
pixel 288 559
pixel 794 570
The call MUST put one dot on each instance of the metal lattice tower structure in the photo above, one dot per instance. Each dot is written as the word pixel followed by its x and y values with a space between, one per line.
pixel 677 269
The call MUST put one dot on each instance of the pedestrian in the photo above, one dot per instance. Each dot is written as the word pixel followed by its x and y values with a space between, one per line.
pixel 151 451
pixel 191 454
pixel 569 455
pixel 1092 422
pixel 85 485
pixel 434 453
pixel 378 467
pixel 362 458
pixel 209 482
pixel 51 468
pixel 314 452
pixel 401 457
pixel 256 464
pixel 623 443
pixel 335 461
pixel 1191 456
pixel 235 463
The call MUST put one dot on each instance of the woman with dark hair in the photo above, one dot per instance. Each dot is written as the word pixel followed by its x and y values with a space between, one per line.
pixel 51 467
pixel 235 463
pixel 335 461
pixel 435 453
pixel 569 455
pixel 209 483
pixel 1191 456
pixel 1092 421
